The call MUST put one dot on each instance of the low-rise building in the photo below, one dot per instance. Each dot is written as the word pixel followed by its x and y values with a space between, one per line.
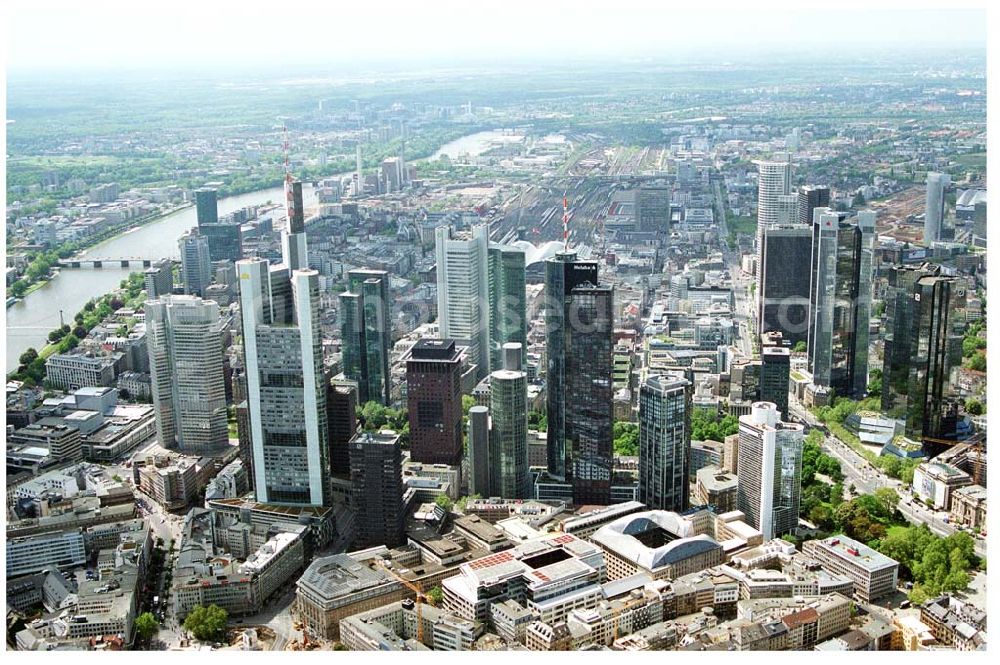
pixel 874 575
pixel 38 552
pixel 585 524
pixel 393 627
pixel 335 587
pixel 660 543
pixel 955 622
pixel 549 576
pixel 79 369
pixel 934 482
pixel 717 488
pixel 968 506
pixel 60 443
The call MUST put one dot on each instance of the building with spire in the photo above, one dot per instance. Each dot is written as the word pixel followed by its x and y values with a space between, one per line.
pixel 286 384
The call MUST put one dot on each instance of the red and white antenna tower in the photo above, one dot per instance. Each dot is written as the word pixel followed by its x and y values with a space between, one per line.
pixel 565 223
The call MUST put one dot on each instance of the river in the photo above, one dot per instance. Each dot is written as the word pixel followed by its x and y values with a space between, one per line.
pixel 30 320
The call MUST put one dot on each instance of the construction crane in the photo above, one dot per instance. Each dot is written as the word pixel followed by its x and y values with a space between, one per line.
pixel 421 598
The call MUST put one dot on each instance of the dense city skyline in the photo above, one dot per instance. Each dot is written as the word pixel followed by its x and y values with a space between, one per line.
pixel 559 328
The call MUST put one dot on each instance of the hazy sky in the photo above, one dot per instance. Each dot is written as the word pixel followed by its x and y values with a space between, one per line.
pixel 115 34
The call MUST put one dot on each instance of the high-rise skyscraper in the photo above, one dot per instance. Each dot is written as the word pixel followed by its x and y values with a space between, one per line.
pixel 934 210
pixel 783 283
pixel 787 209
pixel 900 307
pixel 159 279
pixel 225 242
pixel 579 325
pixel 196 263
pixel 774 372
pixel 434 402
pixel 810 198
pixel 770 470
pixel 507 297
pixel 366 331
pixel 652 207
pixel 509 427
pixel 664 442
pixel 774 179
pixel 286 384
pixel 923 351
pixel 462 291
pixel 377 489
pixel 840 300
pixel 184 339
pixel 342 423
pixel 207 205
pixel 479 451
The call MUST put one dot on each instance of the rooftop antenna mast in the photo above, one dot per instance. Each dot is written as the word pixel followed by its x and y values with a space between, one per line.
pixel 565 223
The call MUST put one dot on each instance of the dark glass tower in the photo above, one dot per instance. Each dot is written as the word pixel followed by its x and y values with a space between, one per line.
pixel 784 282
pixel 840 300
pixel 366 331
pixel 925 349
pixel 579 324
pixel 206 202
pixel 225 243
pixel 377 489
pixel 899 327
pixel 810 198
pixel 664 442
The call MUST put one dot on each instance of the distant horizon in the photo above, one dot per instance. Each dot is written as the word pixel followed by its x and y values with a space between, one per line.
pixel 444 64
pixel 108 36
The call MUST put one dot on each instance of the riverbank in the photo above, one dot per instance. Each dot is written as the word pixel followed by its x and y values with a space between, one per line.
pixel 89 243
pixel 30 320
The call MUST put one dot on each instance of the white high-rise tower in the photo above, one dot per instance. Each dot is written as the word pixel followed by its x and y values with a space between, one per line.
pixel 463 291
pixel 770 470
pixel 286 388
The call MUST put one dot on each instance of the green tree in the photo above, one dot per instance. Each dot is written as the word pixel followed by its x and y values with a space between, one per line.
pixel 800 347
pixel 822 517
pixel 373 416
pixel 146 626
pixel 626 439
pixel 28 356
pixel 468 401
pixel 444 501
pixel 974 407
pixel 207 623
pixel 977 362
pixel 435 595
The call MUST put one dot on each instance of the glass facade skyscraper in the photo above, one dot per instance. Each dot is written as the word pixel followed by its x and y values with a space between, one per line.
pixel 377 489
pixel 509 428
pixel 366 331
pixel 225 242
pixel 286 384
pixel 840 300
pixel 783 284
pixel 664 442
pixel 923 350
pixel 508 310
pixel 184 338
pixel 579 324
pixel 463 291
pixel 196 263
